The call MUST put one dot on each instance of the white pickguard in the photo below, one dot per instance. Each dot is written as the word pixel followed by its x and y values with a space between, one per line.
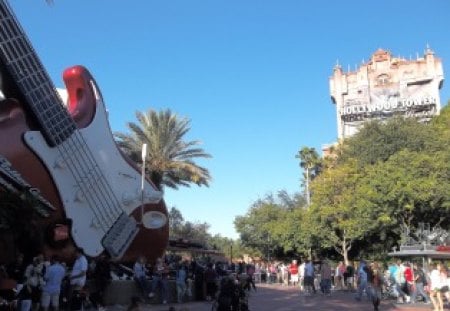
pixel 124 181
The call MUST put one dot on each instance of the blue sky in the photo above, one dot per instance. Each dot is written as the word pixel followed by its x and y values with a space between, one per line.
pixel 252 75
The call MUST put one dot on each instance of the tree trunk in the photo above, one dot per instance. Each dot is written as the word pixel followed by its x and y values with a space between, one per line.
pixel 345 249
pixel 308 197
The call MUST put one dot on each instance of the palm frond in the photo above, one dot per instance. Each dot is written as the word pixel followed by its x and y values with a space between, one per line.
pixel 168 155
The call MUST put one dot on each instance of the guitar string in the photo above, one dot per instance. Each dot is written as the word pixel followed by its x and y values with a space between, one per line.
pixel 46 106
pixel 7 50
pixel 59 134
pixel 85 183
pixel 95 175
pixel 101 175
pixel 103 190
pixel 82 173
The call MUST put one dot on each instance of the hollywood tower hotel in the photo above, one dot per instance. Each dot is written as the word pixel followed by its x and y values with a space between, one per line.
pixel 386 86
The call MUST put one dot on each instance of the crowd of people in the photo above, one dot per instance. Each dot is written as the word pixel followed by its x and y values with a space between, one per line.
pixel 42 283
pixel 406 282
pixel 196 280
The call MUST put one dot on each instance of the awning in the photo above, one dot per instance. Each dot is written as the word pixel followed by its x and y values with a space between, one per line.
pixel 421 253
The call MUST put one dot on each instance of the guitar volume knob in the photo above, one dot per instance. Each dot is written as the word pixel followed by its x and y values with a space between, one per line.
pixel 127 198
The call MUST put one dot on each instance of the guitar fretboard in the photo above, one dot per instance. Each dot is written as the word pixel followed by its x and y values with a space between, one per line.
pixel 93 190
pixel 32 79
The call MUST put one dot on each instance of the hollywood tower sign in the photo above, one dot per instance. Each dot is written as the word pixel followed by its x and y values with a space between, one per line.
pixel 386 86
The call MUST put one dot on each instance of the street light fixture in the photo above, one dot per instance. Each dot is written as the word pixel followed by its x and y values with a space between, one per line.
pixel 144 156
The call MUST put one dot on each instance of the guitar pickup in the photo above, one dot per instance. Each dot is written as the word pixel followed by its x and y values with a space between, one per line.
pixel 119 237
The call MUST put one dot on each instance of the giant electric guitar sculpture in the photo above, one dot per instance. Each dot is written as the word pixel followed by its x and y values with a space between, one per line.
pixel 71 157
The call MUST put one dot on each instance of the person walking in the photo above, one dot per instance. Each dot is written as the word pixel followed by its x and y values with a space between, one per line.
pixel 24 296
pixel 77 279
pixel 293 269
pixel 160 279
pixel 309 277
pixel 409 278
pixel 362 281
pixel 420 281
pixel 140 275
pixel 53 278
pixel 210 277
pixel 400 283
pixel 349 278
pixel 301 276
pixel 101 278
pixel 250 277
pixel 438 278
pixel 34 275
pixel 325 278
pixel 339 276
pixel 375 284
pixel 181 279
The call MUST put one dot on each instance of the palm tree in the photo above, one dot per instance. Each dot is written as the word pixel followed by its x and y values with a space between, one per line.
pixel 310 162
pixel 170 158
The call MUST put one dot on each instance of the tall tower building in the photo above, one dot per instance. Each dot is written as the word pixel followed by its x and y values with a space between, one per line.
pixel 386 86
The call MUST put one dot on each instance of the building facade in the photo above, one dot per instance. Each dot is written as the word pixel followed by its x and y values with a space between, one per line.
pixel 386 86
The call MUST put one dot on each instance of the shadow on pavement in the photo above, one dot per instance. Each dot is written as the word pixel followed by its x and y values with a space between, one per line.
pixel 281 298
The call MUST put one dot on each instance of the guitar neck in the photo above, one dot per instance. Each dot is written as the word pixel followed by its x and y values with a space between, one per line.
pixel 33 81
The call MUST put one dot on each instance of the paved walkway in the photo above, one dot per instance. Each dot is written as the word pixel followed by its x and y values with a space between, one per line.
pixel 280 298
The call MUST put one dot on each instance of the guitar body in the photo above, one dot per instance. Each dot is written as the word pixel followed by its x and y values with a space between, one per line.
pixel 43 167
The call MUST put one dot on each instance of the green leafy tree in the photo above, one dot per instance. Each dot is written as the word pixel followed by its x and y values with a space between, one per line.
pixel 231 248
pixel 402 179
pixel 195 231
pixel 411 187
pixel 272 226
pixel 389 176
pixel 255 228
pixel 289 231
pixel 377 140
pixel 170 159
pixel 339 214
pixel 176 222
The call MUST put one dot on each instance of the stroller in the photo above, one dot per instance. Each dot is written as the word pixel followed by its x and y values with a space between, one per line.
pixel 389 292
pixel 232 296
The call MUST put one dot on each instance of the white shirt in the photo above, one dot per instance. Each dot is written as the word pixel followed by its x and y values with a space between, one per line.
pixel 80 265
pixel 301 270
pixel 436 280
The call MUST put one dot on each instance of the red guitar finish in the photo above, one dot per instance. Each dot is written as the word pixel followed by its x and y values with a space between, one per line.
pixel 15 120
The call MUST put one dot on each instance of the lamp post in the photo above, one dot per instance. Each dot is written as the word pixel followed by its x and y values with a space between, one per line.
pixel 144 156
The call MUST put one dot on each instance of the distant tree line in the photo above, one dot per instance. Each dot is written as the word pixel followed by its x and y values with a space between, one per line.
pixel 389 176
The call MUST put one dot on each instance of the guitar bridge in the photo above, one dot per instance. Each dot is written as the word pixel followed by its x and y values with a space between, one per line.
pixel 119 237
